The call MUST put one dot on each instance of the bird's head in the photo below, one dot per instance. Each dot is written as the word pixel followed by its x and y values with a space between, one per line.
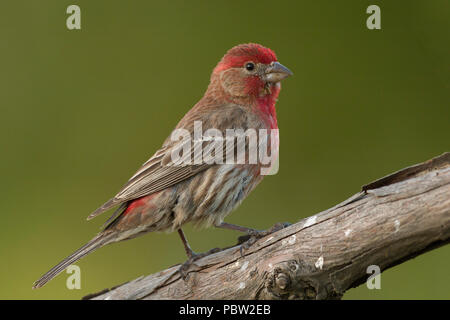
pixel 250 71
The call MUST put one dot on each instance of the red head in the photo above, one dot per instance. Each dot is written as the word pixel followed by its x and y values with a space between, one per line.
pixel 250 71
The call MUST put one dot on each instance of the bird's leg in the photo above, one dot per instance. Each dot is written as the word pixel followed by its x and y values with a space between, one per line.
pixel 186 245
pixel 252 235
pixel 192 256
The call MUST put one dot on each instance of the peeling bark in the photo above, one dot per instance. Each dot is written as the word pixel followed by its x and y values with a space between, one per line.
pixel 390 221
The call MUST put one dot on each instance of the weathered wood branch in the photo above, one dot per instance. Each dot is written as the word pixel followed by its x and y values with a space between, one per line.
pixel 390 221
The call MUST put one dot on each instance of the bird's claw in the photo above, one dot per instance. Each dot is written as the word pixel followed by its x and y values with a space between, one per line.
pixel 252 236
pixel 185 267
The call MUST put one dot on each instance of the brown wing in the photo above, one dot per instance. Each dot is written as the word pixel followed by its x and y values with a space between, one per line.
pixel 155 175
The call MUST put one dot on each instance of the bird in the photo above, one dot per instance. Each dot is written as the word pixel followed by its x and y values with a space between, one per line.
pixel 163 196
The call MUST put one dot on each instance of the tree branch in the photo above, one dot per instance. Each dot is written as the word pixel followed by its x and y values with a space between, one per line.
pixel 390 221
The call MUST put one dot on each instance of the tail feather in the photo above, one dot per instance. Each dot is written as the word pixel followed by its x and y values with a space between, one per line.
pixel 97 242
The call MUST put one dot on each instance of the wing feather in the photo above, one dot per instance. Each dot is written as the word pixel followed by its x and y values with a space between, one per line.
pixel 152 177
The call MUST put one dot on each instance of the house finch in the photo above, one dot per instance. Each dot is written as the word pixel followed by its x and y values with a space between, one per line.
pixel 163 196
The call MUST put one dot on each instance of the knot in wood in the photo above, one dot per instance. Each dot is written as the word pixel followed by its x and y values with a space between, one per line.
pixel 282 281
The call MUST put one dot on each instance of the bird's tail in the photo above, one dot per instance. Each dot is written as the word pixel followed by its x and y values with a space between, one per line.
pixel 99 241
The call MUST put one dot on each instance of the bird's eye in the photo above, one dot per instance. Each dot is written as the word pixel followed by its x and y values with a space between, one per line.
pixel 249 66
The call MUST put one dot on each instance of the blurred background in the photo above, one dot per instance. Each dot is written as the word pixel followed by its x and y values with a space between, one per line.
pixel 81 110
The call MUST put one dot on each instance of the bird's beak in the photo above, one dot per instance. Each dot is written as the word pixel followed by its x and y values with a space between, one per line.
pixel 276 72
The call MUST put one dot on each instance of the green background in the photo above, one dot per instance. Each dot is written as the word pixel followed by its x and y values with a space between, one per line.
pixel 81 110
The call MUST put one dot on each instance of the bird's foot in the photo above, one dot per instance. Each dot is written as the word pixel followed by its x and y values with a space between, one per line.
pixel 254 235
pixel 185 267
